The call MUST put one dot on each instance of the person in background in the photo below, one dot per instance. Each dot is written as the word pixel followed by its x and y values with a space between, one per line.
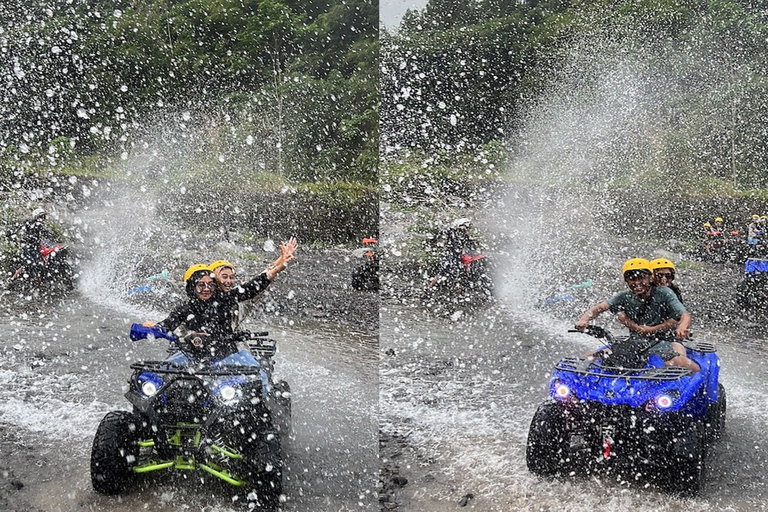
pixel 709 233
pixel 455 241
pixel 30 235
pixel 754 232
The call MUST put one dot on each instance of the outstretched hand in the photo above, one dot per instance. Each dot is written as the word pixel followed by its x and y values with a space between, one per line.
pixel 286 256
pixel 287 249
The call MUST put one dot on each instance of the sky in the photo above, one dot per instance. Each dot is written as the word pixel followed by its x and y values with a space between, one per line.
pixel 391 11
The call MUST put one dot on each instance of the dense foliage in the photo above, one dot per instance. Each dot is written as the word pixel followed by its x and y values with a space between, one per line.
pixel 657 89
pixel 294 81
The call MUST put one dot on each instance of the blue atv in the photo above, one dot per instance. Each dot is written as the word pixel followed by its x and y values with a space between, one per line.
pixel 627 413
pixel 752 291
pixel 215 412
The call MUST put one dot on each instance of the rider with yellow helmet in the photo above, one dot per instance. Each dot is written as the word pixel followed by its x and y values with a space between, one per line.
pixel 664 275
pixel 651 312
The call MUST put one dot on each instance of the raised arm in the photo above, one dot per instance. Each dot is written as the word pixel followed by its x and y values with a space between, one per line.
pixel 286 256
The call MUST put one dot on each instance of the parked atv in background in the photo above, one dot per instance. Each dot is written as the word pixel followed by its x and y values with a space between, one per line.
pixel 752 291
pixel 627 413
pixel 212 414
pixel 366 275
pixel 724 247
pixel 54 273
pixel 462 277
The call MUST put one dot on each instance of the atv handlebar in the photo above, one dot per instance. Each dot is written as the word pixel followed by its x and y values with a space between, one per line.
pixel 140 332
pixel 595 331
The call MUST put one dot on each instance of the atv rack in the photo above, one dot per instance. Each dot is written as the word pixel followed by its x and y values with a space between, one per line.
pixel 262 347
pixel 167 367
pixel 590 367
pixel 704 347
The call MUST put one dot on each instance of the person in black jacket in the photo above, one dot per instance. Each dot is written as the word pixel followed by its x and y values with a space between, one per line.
pixel 207 317
pixel 30 234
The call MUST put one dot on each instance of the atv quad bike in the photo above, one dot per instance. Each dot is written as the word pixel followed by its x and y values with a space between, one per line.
pixel 55 272
pixel 647 418
pixel 366 275
pixel 220 416
pixel 752 291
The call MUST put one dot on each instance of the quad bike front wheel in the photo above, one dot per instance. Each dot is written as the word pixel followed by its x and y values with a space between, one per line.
pixel 115 452
pixel 250 453
pixel 546 452
pixel 685 473
pixel 282 392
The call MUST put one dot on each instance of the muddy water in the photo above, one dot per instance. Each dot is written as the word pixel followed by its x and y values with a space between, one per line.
pixel 457 399
pixel 64 365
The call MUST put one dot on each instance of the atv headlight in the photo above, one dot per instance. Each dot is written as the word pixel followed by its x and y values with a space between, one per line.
pixel 149 383
pixel 227 393
pixel 562 391
pixel 664 401
pixel 149 389
pixel 230 390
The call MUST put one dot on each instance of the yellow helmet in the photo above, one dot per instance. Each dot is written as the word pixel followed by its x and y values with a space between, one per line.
pixel 636 264
pixel 662 263
pixel 719 219
pixel 707 225
pixel 195 268
pixel 755 216
pixel 221 263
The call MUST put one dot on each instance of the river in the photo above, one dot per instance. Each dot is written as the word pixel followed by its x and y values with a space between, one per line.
pixel 64 364
pixel 458 391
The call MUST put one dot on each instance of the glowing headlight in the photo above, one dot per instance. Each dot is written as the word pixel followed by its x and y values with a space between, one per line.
pixel 149 388
pixel 562 391
pixel 229 389
pixel 228 393
pixel 149 383
pixel 664 401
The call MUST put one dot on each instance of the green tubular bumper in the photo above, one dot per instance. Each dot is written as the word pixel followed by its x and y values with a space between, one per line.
pixel 183 463
pixel 222 474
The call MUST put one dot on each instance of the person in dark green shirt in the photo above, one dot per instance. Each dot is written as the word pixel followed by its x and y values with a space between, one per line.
pixel 651 313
